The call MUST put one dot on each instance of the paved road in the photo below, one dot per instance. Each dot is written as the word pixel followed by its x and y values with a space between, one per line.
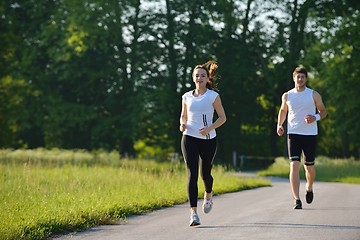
pixel 264 213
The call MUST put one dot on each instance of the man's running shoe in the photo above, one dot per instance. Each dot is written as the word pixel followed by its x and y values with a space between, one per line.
pixel 194 220
pixel 309 196
pixel 208 203
pixel 297 204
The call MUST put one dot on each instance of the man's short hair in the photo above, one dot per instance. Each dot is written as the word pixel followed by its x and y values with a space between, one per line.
pixel 300 70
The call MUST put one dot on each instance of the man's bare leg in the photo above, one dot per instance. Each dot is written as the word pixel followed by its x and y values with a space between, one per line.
pixel 295 178
pixel 310 176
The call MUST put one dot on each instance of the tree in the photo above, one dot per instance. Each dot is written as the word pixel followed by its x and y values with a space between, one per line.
pixel 334 57
pixel 110 74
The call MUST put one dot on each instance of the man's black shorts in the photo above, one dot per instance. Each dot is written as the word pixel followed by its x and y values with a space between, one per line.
pixel 306 144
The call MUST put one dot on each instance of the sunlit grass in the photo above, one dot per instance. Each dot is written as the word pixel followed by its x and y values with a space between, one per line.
pixel 40 198
pixel 59 157
pixel 328 170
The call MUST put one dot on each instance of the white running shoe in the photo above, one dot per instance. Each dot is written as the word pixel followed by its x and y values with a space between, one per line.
pixel 194 219
pixel 208 203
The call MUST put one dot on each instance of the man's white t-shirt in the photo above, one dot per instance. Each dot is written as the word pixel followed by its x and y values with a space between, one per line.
pixel 299 105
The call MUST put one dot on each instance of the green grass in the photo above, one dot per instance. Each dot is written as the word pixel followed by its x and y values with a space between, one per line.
pixel 47 192
pixel 327 170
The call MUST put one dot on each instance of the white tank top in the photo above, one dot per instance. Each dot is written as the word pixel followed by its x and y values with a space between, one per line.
pixel 200 113
pixel 300 104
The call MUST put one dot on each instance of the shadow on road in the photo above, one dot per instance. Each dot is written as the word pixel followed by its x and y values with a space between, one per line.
pixel 281 225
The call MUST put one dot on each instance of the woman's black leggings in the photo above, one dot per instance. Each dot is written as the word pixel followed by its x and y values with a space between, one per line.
pixel 193 150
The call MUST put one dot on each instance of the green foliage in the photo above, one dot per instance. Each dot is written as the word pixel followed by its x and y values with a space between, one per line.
pixel 155 151
pixel 335 56
pixel 50 192
pixel 109 74
pixel 14 117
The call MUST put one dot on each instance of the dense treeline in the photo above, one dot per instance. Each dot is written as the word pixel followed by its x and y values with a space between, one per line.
pixel 110 73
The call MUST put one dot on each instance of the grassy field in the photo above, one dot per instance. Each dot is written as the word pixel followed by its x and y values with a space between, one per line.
pixel 327 170
pixel 45 192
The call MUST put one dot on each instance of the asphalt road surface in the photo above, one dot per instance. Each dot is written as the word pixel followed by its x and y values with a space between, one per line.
pixel 263 213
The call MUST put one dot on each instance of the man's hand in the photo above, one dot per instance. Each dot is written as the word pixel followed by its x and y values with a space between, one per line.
pixel 280 130
pixel 310 118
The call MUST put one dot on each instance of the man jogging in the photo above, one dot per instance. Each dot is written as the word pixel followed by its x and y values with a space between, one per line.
pixel 303 108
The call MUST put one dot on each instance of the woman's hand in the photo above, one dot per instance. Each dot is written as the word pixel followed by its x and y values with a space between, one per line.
pixel 204 131
pixel 182 127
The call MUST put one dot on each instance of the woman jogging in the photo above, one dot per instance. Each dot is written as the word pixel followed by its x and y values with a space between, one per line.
pixel 198 142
